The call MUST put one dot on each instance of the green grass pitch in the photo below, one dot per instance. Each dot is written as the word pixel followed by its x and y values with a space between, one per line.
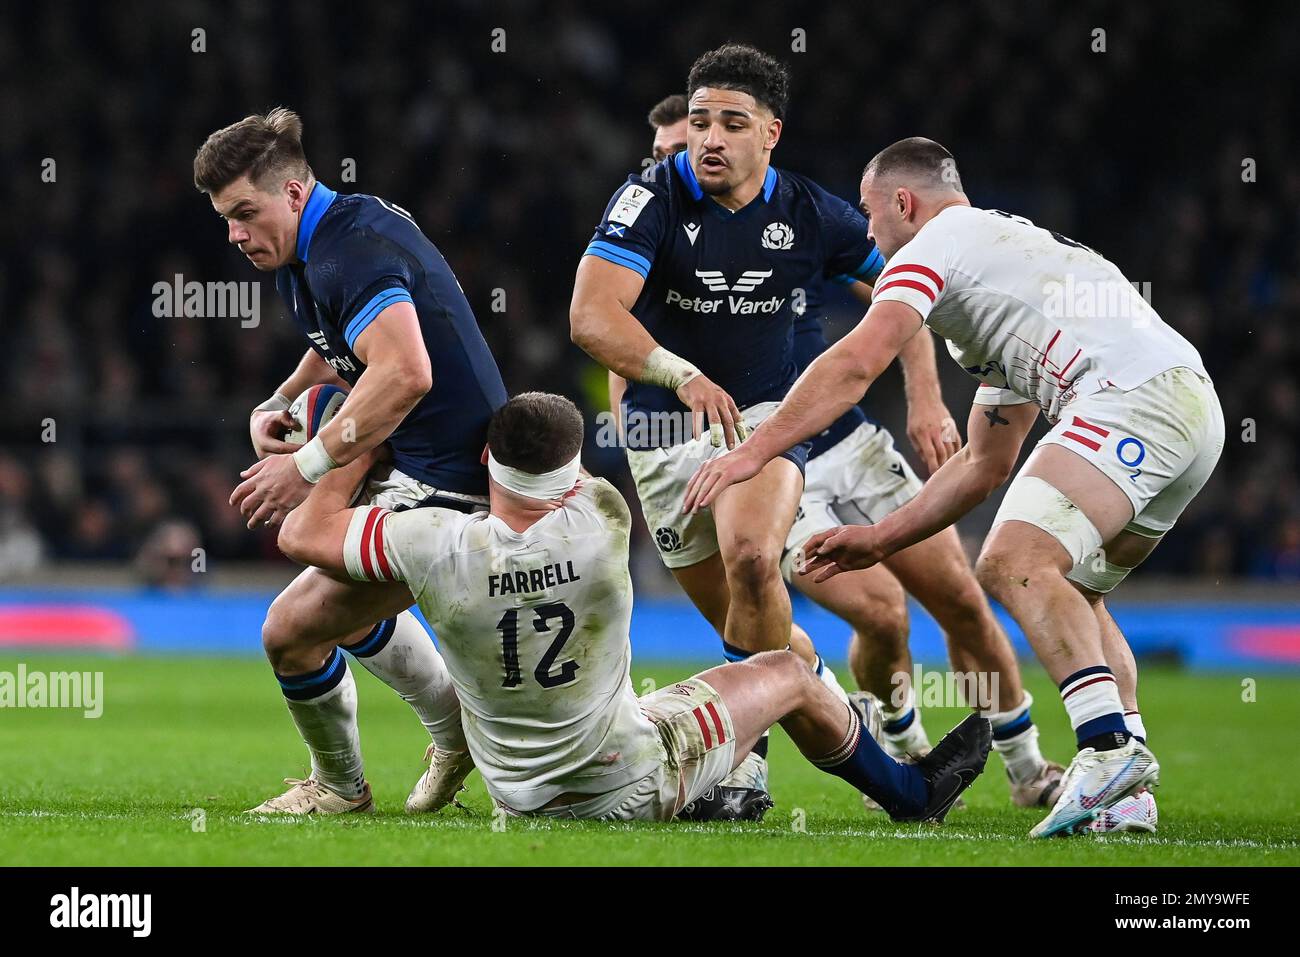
pixel 179 734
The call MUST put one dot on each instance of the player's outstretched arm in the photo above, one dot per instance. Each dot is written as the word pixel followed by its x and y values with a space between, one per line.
pixel 314 532
pixel 828 388
pixel 602 325
pixel 995 435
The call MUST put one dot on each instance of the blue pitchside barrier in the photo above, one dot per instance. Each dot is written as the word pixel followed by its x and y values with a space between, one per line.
pixel 1200 635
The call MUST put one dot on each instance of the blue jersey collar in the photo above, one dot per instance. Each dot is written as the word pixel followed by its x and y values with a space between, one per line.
pixel 321 198
pixel 687 175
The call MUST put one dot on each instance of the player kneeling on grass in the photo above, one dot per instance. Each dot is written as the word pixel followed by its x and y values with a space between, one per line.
pixel 531 603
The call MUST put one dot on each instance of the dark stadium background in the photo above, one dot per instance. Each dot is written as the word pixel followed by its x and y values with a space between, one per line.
pixel 506 160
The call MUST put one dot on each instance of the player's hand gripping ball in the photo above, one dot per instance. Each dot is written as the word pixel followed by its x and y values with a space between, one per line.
pixel 312 411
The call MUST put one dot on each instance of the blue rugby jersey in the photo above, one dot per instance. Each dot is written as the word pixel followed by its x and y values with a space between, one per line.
pixel 358 255
pixel 720 286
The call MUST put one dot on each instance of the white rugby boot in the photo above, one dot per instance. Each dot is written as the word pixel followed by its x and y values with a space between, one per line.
pixel 1137 812
pixel 312 797
pixel 1095 781
pixel 439 784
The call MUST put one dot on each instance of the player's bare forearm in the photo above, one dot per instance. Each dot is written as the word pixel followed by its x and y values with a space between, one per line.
pixel 617 386
pixel 956 488
pixel 838 378
pixel 374 409
pixel 313 533
pixel 966 479
pixel 397 376
pixel 920 372
pixel 827 389
pixel 600 318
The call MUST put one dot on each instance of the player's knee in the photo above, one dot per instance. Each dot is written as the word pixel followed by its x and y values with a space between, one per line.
pixel 881 623
pixel 964 614
pixel 998 570
pixel 787 675
pixel 280 638
pixel 750 565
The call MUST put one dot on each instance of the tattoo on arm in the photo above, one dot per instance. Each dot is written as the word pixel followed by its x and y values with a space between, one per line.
pixel 995 418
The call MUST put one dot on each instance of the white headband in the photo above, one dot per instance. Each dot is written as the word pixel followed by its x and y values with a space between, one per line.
pixel 547 486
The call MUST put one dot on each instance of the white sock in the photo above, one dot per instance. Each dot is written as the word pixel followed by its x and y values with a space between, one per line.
pixel 399 652
pixel 908 734
pixel 829 680
pixel 1133 721
pixel 1018 741
pixel 324 707
pixel 1092 701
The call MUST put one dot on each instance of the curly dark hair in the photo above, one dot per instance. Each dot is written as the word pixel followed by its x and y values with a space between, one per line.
pixel 746 69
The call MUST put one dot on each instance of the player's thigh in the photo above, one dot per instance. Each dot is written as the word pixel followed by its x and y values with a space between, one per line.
pixel 699 738
pixel 705 583
pixel 756 693
pixel 754 517
pixel 317 609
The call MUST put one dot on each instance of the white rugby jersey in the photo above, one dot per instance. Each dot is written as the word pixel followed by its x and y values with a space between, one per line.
pixel 1033 315
pixel 534 629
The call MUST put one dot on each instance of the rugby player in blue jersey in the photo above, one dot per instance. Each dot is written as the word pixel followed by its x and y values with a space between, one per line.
pixel 855 475
pixel 384 314
pixel 688 290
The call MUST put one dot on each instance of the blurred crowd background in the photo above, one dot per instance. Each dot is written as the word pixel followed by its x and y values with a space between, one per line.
pixel 1170 151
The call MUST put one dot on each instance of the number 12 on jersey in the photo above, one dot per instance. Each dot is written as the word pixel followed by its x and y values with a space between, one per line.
pixel 545 614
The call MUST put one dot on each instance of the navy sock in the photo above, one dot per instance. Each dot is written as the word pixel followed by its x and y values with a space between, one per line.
pixel 314 683
pixel 731 653
pixel 898 788
pixel 375 641
pixel 901 723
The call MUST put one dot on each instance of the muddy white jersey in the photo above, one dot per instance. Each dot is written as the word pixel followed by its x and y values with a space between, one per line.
pixel 1033 315
pixel 533 626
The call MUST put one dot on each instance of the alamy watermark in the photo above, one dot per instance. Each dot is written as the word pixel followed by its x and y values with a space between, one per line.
pixel 83 690
pixel 1095 299
pixel 946 689
pixel 209 300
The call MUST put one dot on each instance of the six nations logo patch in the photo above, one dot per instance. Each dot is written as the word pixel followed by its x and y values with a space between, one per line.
pixel 778 236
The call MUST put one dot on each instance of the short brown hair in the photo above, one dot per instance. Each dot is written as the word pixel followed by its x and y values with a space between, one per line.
pixel 268 148
pixel 536 432
pixel 669 110
pixel 916 157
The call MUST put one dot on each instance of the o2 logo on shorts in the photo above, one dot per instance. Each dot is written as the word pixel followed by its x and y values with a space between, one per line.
pixel 667 539
pixel 1130 453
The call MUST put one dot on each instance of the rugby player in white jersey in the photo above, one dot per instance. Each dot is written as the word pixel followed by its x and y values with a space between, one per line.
pixel 1047 325
pixel 856 475
pixel 531 603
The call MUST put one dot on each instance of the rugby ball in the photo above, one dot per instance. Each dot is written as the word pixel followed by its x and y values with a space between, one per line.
pixel 312 411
